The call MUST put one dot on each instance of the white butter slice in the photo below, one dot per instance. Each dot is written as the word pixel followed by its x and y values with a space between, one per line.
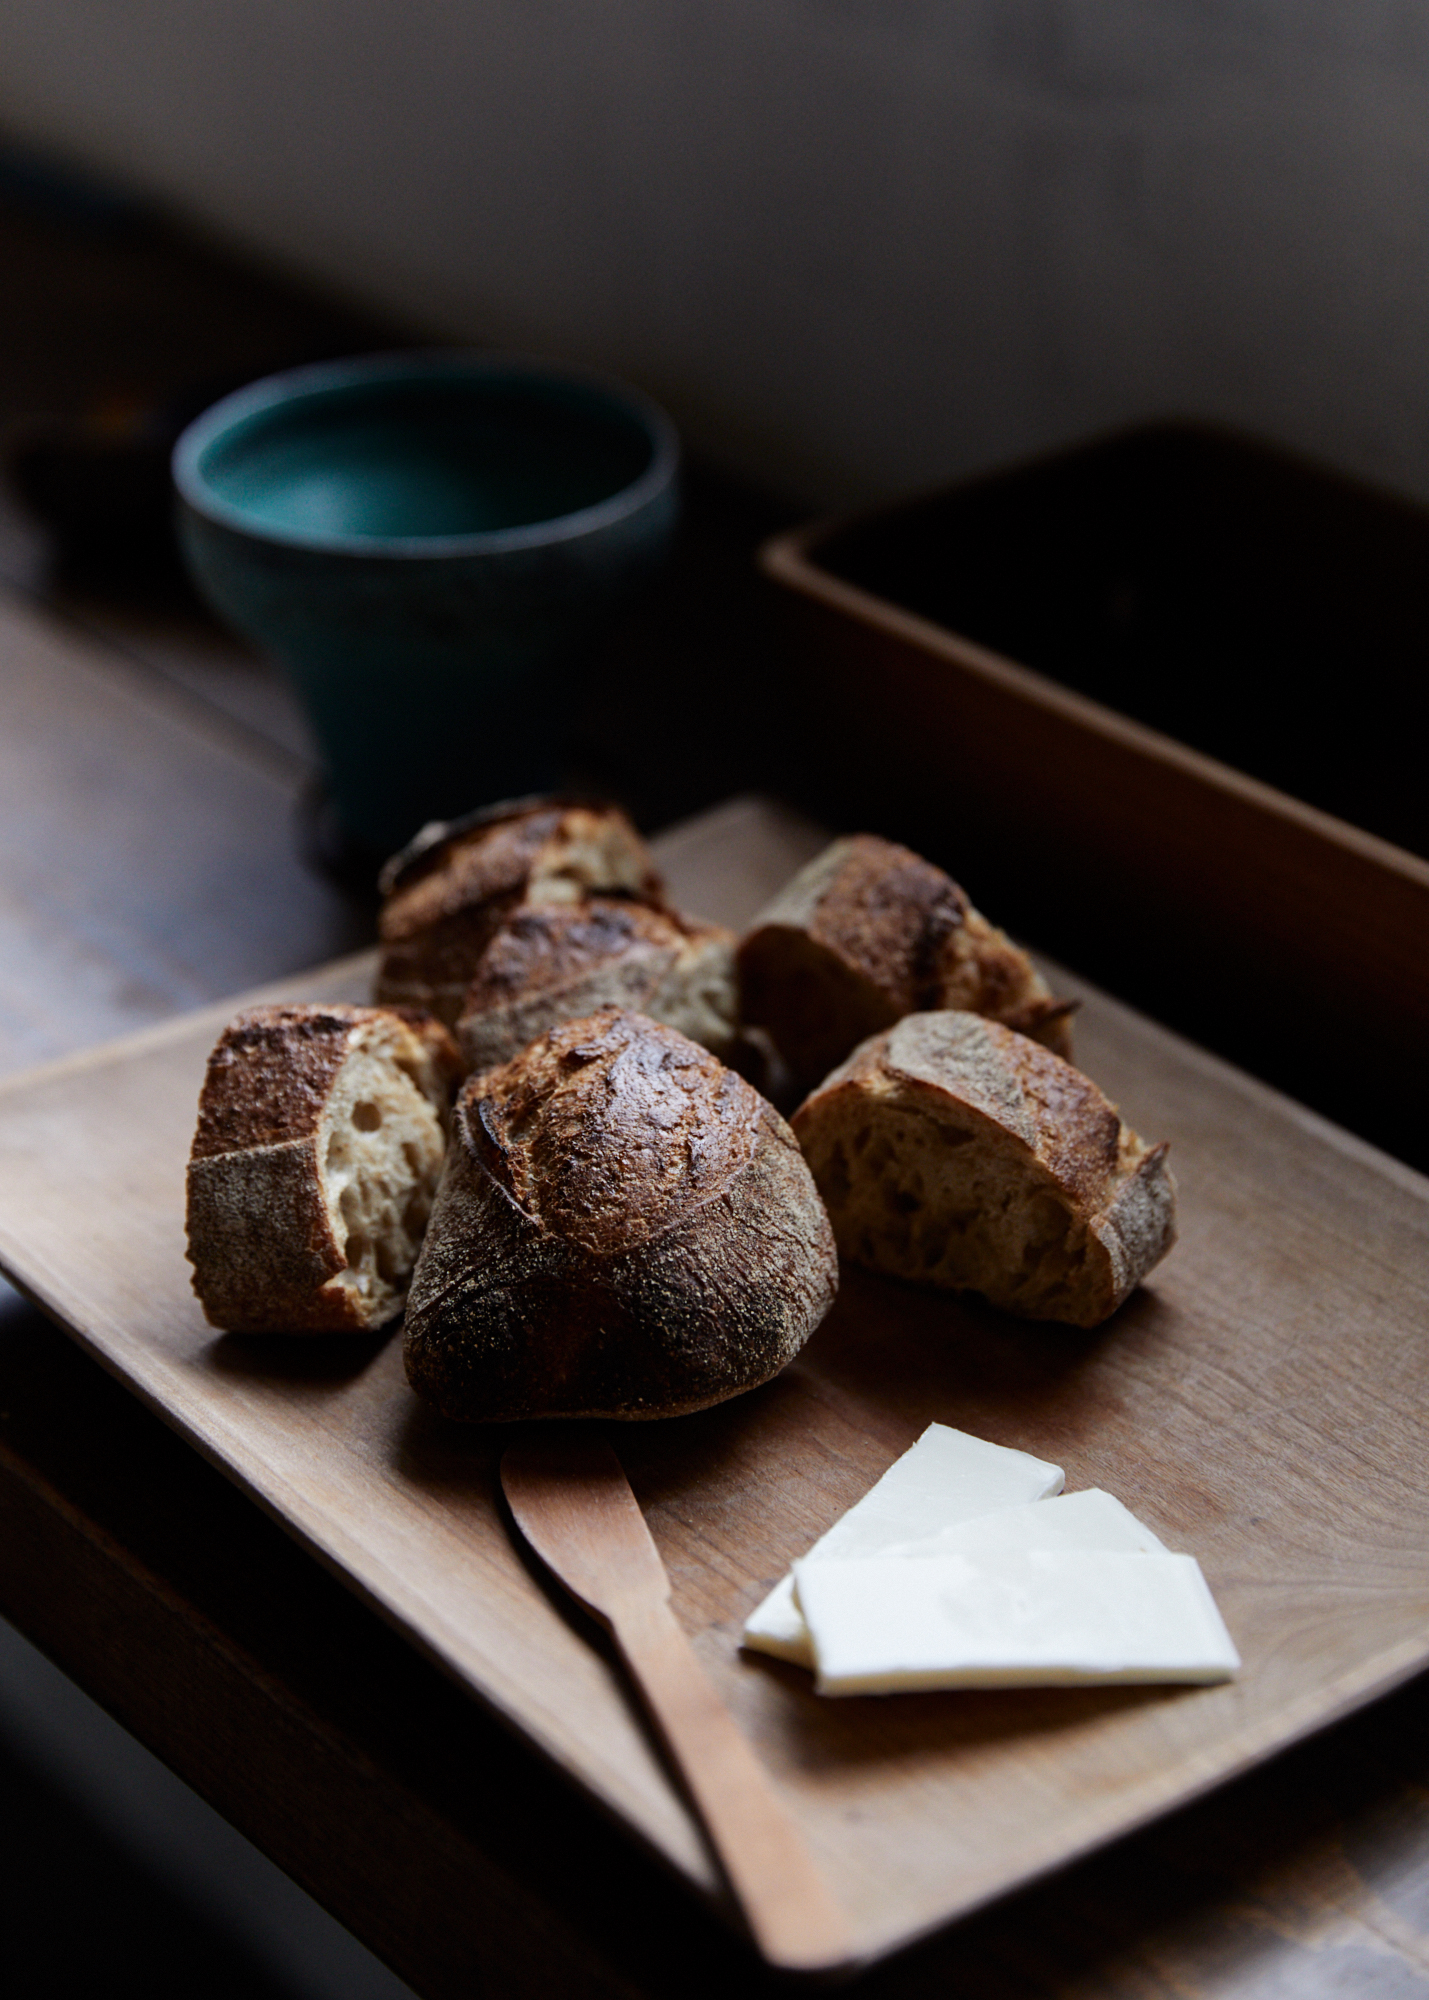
pixel 1008 1618
pixel 1089 1520
pixel 946 1477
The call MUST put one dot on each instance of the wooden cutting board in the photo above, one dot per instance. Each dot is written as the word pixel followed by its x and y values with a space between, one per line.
pixel 1263 1404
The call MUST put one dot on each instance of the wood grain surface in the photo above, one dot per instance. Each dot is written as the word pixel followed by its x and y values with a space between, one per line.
pixel 150 862
pixel 1262 1404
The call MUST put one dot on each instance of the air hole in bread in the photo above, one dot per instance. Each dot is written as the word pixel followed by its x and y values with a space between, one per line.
pixel 837 1169
pixel 931 1246
pixel 1047 1222
pixel 383 1158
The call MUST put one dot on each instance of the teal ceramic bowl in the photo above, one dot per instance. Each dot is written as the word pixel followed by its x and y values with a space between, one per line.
pixel 427 541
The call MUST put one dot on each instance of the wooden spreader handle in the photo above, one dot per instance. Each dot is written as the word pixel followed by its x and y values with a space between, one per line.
pixel 572 1502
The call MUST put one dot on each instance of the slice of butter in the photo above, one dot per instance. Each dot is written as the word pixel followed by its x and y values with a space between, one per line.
pixel 1089 1520
pixel 1011 1618
pixel 946 1477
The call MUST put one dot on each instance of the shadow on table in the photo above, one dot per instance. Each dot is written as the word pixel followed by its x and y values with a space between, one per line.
pixel 318 1359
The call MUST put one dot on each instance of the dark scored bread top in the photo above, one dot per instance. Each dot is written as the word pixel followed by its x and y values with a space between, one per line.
pixel 611 1129
pixel 867 933
pixel 272 1069
pixel 855 940
pixel 488 863
pixel 490 859
pixel 269 1076
pixel 540 948
pixel 624 1228
pixel 1053 1109
pixel 427 849
pixel 888 913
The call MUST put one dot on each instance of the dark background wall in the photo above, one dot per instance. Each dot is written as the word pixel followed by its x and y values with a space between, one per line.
pixel 857 245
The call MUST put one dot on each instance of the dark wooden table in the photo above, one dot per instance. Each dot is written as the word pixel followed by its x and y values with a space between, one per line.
pixel 153 781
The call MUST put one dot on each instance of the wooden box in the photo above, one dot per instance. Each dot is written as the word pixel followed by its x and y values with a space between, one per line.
pixel 1152 701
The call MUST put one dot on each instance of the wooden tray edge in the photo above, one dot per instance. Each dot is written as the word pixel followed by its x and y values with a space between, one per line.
pixel 787 560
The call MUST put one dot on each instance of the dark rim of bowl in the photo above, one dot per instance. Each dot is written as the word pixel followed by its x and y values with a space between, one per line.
pixel 293 383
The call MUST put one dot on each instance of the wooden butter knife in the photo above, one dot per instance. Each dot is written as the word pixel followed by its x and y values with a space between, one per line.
pixel 573 1503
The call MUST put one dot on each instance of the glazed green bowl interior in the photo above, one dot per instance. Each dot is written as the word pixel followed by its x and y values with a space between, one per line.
pixel 423 458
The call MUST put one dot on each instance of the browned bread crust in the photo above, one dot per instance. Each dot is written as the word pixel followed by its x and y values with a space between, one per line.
pixel 448 892
pixel 557 963
pixel 867 933
pixel 624 1229
pixel 319 1144
pixel 954 1151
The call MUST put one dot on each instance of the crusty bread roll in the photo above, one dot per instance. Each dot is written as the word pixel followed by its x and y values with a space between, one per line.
pixel 553 963
pixel 318 1151
pixel 867 933
pixel 956 1152
pixel 625 1228
pixel 447 892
